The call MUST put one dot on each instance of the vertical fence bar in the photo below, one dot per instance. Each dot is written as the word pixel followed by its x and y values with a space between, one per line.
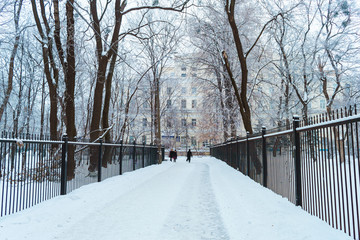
pixel 230 155
pixel 134 155
pixel 298 197
pixel 247 154
pixel 120 156
pixel 100 159
pixel 143 155
pixel 237 156
pixel 163 153
pixel 64 165
pixel 2 174
pixel 264 157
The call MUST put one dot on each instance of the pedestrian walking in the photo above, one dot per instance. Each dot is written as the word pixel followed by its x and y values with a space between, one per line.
pixel 189 155
pixel 171 155
pixel 175 155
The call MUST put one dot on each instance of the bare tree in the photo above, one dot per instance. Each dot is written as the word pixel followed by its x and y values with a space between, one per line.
pixel 50 68
pixel 16 12
pixel 160 40
pixel 338 46
pixel 52 73
pixel 208 36
pixel 104 56
pixel 242 55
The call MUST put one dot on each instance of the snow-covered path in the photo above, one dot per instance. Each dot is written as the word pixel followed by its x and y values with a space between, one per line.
pixel 205 199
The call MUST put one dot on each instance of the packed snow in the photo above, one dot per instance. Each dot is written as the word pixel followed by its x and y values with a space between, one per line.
pixel 204 199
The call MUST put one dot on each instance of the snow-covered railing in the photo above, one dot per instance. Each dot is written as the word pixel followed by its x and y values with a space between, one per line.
pixel 32 171
pixel 315 166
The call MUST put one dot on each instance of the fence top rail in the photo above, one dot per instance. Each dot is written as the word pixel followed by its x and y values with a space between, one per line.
pixel 331 123
pixel 21 141
pixel 279 133
pixel 17 140
pixel 255 138
pixel 126 145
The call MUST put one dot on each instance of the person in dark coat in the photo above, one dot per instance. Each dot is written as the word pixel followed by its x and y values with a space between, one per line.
pixel 175 155
pixel 171 155
pixel 189 155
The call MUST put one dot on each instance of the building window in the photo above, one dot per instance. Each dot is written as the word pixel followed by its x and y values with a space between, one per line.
pixel 193 122
pixel 168 124
pixel 183 75
pixel 168 103
pixel 144 139
pixel 131 139
pixel 193 104
pixel 183 90
pixel 193 141
pixel 183 140
pixel 183 68
pixel 193 90
pixel 322 103
pixel 183 122
pixel 168 90
pixel 183 103
pixel 144 122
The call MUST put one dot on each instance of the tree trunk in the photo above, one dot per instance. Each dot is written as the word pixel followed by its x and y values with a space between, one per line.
pixel 245 115
pixel 102 61
pixel 48 65
pixel 157 119
pixel 105 115
pixel 42 111
pixel 95 132
pixel 222 105
pixel 229 106
pixel 242 97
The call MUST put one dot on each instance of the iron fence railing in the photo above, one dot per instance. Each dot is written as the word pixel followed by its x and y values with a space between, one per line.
pixel 32 171
pixel 315 166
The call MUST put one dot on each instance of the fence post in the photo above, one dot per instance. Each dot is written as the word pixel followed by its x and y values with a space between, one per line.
pixel 247 154
pixel 121 156
pixel 163 153
pixel 298 196
pixel 143 155
pixel 100 160
pixel 134 156
pixel 264 157
pixel 230 152
pixel 64 165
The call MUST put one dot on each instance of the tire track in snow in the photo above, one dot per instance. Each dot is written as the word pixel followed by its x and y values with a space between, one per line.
pixel 195 213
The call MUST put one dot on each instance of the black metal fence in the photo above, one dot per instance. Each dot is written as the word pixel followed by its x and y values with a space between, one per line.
pixel 32 171
pixel 315 166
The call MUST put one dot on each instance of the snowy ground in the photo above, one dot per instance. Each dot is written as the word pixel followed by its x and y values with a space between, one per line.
pixel 205 199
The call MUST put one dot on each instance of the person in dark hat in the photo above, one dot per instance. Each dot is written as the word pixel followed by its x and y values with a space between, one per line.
pixel 189 155
pixel 171 154
pixel 175 155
